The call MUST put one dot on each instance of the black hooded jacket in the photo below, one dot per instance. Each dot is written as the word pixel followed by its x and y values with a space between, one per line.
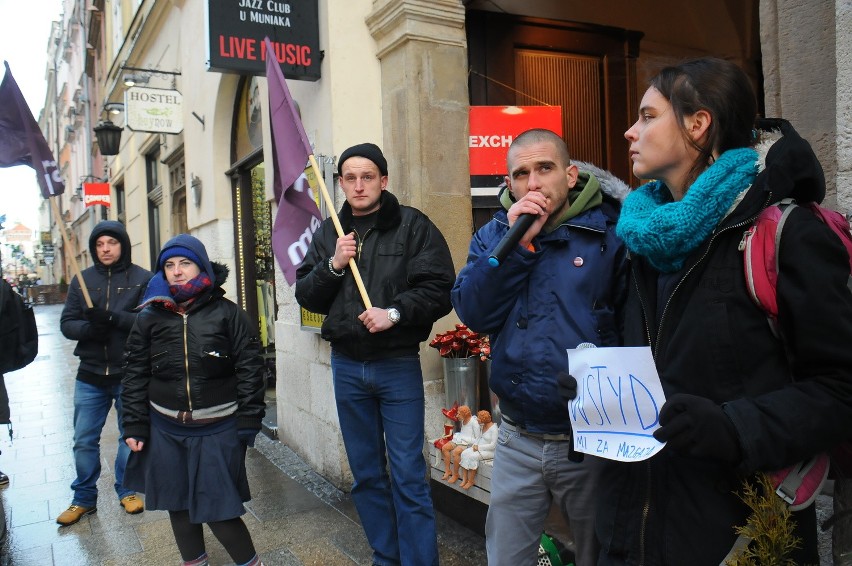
pixel 117 288
pixel 710 340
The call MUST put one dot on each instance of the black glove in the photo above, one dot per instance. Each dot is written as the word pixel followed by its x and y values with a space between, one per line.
pixel 99 316
pixel 567 386
pixel 247 436
pixel 698 427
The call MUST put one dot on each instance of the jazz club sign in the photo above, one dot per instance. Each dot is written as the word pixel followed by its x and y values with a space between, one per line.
pixel 236 29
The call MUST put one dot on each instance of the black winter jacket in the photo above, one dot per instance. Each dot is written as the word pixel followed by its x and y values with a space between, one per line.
pixel 712 341
pixel 206 357
pixel 117 288
pixel 405 263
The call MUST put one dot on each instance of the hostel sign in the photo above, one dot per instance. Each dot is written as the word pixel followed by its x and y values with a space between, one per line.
pixel 154 110
pixel 236 29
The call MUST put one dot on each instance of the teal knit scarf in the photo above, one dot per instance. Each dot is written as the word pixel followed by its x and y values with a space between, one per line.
pixel 666 232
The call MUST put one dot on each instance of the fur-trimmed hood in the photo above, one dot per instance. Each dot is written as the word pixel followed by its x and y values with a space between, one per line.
pixel 787 168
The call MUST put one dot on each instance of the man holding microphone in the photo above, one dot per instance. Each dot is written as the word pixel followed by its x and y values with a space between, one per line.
pixel 560 282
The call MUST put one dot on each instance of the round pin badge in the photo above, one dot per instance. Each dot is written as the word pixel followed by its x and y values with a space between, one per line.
pixel 578 262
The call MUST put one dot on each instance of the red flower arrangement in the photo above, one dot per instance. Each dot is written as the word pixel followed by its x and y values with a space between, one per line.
pixel 461 343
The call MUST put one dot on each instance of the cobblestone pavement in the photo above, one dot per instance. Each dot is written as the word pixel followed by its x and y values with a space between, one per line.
pixel 295 517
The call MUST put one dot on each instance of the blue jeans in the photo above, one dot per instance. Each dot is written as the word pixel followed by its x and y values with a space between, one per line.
pixel 528 475
pixel 91 407
pixel 380 405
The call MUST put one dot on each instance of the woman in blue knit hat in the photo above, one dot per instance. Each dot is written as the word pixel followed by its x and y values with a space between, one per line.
pixel 193 399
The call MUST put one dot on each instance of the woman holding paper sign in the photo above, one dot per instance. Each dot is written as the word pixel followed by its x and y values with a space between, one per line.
pixel 738 401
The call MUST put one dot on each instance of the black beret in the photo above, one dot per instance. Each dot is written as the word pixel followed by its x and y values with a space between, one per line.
pixel 368 150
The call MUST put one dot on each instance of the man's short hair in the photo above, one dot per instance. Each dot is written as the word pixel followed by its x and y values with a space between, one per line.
pixel 540 135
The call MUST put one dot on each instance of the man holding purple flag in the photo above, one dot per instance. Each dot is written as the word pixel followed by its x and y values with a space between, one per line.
pixel 378 381
pixel 298 216
pixel 21 140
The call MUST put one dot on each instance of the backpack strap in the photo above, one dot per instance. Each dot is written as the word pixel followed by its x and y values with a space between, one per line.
pixel 786 205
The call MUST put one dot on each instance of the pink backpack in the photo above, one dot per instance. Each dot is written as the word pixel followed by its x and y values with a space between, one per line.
pixel 762 242
pixel 798 485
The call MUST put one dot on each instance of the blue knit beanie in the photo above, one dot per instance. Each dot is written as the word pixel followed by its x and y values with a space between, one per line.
pixel 180 251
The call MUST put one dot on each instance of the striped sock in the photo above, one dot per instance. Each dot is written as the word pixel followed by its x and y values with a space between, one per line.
pixel 200 561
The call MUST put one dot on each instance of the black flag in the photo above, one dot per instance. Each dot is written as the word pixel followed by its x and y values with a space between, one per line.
pixel 21 140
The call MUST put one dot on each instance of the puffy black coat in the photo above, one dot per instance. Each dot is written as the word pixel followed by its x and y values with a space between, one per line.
pixel 204 358
pixel 712 341
pixel 405 263
pixel 117 288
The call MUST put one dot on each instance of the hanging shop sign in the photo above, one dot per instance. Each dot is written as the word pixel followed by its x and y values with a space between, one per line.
pixel 154 110
pixel 96 193
pixel 236 29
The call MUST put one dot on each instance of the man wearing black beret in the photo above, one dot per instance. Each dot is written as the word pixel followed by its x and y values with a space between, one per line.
pixel 378 382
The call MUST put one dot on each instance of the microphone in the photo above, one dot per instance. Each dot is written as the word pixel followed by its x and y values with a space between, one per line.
pixel 511 239
pixel 585 345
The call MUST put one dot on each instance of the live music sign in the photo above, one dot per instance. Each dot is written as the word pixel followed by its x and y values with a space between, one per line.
pixel 492 129
pixel 236 28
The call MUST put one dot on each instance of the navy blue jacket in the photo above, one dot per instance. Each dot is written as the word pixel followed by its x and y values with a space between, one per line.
pixel 536 305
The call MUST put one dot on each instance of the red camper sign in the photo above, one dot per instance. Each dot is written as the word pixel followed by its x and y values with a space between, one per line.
pixel 492 129
pixel 96 193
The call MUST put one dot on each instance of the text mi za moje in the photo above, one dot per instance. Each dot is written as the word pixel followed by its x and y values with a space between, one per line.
pixel 614 415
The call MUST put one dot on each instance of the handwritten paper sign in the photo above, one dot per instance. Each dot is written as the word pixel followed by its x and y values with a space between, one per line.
pixel 618 402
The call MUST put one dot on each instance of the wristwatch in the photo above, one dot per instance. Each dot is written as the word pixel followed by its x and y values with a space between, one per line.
pixel 393 315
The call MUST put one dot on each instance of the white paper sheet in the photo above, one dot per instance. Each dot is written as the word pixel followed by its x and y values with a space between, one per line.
pixel 619 396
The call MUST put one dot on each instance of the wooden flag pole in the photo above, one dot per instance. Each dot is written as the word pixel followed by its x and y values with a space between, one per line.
pixel 333 213
pixel 72 254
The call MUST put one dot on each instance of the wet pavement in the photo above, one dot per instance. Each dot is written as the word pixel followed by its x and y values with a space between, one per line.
pixel 295 517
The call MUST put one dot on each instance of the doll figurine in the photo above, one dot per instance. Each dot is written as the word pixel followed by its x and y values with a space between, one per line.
pixel 483 449
pixel 452 450
pixel 452 416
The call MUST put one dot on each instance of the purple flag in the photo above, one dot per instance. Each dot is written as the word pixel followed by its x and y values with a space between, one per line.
pixel 298 216
pixel 21 140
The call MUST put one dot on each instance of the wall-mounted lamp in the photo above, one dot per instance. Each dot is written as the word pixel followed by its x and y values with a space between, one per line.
pixel 114 108
pixel 195 188
pixel 109 137
pixel 133 79
pixel 141 75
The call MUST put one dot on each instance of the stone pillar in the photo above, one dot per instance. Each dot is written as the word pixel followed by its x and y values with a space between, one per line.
pixel 843 30
pixel 423 53
pixel 800 42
